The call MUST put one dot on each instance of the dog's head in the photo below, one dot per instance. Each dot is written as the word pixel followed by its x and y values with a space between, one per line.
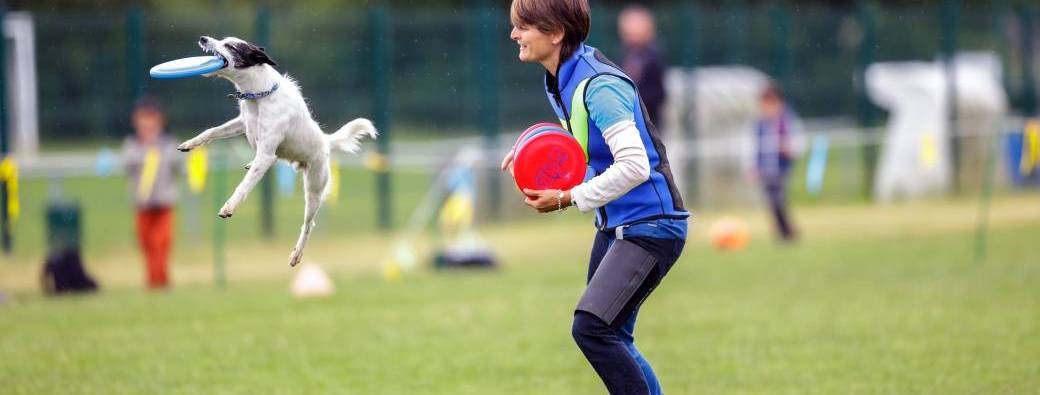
pixel 239 54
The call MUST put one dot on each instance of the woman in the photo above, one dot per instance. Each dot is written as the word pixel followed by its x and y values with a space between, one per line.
pixel 640 219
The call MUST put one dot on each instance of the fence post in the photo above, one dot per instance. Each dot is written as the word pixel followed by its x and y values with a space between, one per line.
pixel 688 24
pixel 380 40
pixel 1025 14
pixel 736 31
pixel 488 88
pixel 267 207
pixel 999 21
pixel 219 166
pixel 867 114
pixel 950 16
pixel 6 238
pixel 781 27
pixel 135 56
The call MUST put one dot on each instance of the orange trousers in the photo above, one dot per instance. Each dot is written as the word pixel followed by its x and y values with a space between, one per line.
pixel 155 234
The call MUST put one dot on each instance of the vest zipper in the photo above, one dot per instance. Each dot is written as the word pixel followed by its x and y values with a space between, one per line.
pixel 566 114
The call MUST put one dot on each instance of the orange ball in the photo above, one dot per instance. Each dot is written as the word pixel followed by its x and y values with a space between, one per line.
pixel 729 234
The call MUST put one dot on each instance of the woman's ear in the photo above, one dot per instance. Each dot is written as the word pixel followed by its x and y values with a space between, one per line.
pixel 556 37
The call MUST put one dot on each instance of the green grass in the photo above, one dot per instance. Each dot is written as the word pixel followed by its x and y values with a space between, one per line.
pixel 876 299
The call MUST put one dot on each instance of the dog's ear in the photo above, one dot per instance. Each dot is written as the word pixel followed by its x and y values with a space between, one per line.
pixel 257 55
pixel 249 55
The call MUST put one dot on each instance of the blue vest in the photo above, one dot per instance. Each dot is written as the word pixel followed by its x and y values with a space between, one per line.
pixel 655 198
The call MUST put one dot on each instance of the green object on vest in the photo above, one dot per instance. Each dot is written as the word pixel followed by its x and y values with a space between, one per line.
pixel 579 122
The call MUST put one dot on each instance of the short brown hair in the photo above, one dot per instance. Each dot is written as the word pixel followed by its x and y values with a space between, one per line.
pixel 570 16
pixel 148 103
pixel 772 91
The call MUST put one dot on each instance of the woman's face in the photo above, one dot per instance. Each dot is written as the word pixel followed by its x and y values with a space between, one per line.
pixel 535 46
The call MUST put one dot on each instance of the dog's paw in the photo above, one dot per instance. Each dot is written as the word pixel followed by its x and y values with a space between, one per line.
pixel 225 212
pixel 294 257
pixel 185 147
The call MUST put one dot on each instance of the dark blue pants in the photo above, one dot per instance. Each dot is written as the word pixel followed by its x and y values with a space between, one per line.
pixel 776 191
pixel 609 346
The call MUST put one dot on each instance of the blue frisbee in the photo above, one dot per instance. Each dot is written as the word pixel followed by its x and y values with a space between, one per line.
pixel 187 67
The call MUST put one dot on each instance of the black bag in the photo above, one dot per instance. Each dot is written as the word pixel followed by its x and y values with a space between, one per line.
pixel 63 273
pixel 465 258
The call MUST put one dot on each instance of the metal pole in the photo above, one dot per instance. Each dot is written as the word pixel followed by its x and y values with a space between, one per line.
pixel 950 15
pixel 219 190
pixel 6 238
pixel 867 113
pixel 736 28
pixel 999 20
pixel 267 208
pixel 690 49
pixel 781 22
pixel 982 222
pixel 488 83
pixel 135 55
pixel 380 39
pixel 1028 78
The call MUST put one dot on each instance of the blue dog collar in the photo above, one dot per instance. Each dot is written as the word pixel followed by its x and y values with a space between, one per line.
pixel 253 96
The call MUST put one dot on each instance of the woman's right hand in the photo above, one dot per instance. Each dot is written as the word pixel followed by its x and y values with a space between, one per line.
pixel 507 162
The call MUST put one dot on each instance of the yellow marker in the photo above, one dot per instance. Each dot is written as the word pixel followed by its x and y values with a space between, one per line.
pixel 149 170
pixel 1030 148
pixel 928 157
pixel 457 213
pixel 9 175
pixel 392 271
pixel 197 168
pixel 376 162
pixel 333 194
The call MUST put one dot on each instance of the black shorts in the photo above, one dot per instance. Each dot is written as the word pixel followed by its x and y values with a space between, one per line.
pixel 623 273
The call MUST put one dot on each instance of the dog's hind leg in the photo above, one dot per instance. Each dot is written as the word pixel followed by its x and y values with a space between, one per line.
pixel 230 128
pixel 260 164
pixel 314 181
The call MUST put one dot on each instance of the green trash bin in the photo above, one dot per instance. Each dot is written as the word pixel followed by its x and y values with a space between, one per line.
pixel 63 226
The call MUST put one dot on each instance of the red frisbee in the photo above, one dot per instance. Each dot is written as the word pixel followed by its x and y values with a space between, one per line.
pixel 532 129
pixel 550 159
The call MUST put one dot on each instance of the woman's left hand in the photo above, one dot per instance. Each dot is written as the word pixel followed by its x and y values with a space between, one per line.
pixel 547 200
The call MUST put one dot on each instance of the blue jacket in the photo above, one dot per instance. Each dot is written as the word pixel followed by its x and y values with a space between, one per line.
pixel 773 141
pixel 657 197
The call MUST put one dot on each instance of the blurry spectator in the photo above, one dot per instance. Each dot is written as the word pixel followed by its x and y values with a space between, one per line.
pixel 641 59
pixel 774 135
pixel 152 167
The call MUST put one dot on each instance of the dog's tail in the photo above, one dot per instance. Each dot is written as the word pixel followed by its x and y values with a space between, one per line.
pixel 348 137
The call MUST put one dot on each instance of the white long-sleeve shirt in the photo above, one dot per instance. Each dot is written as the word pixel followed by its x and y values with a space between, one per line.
pixel 631 167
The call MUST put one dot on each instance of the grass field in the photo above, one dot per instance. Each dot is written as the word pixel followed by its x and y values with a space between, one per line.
pixel 875 299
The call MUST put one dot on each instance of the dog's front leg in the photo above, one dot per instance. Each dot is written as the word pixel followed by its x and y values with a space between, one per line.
pixel 230 128
pixel 260 164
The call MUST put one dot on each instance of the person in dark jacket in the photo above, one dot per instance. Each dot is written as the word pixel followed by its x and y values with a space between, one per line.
pixel 774 137
pixel 642 59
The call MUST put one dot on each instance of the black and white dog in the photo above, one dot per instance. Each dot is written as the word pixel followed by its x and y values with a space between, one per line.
pixel 278 125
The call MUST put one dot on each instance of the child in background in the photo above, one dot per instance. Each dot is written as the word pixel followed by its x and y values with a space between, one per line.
pixel 152 168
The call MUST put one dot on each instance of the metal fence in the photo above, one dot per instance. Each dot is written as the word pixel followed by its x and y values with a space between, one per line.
pixel 454 71
pixel 451 75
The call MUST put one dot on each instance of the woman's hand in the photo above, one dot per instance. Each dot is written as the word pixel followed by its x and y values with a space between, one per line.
pixel 547 200
pixel 507 162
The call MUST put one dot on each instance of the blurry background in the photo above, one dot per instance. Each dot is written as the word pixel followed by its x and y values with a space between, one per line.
pixel 890 288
